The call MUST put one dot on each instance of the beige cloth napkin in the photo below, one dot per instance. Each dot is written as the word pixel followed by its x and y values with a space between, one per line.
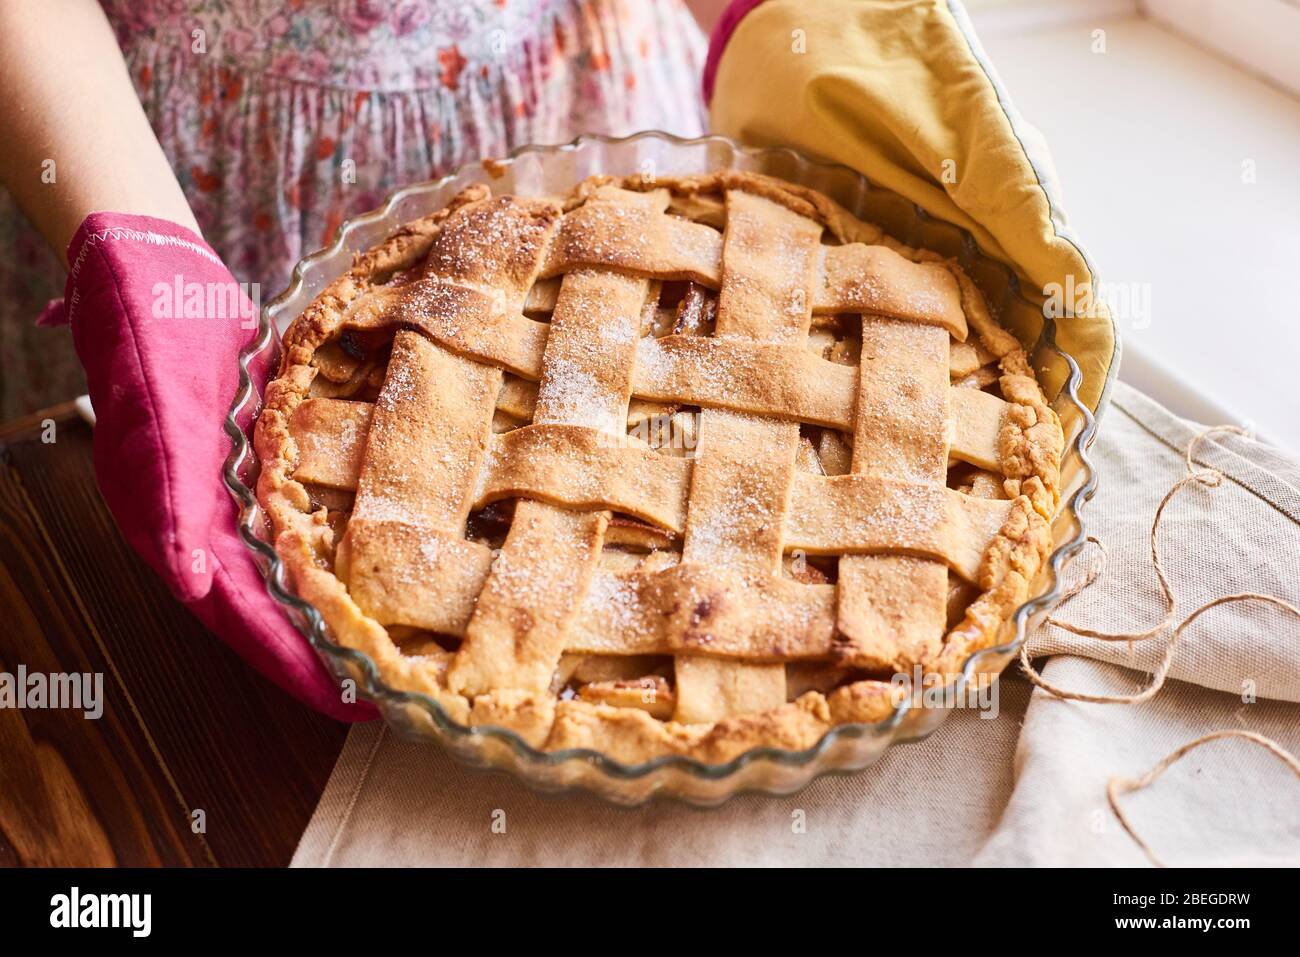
pixel 1025 787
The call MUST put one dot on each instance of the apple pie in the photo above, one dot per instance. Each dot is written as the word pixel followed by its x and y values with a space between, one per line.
pixel 676 466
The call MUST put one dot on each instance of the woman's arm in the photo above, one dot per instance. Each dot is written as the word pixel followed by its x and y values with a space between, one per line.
pixel 75 140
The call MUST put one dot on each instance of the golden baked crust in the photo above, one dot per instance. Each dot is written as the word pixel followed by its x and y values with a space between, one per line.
pixel 677 467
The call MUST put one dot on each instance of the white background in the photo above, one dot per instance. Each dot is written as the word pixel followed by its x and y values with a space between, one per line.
pixel 1149 139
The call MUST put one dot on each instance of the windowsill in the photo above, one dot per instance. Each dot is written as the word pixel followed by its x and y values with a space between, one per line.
pixel 1149 139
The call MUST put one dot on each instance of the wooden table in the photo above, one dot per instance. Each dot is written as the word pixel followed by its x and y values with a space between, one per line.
pixel 186 725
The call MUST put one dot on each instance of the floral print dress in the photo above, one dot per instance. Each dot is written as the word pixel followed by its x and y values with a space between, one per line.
pixel 282 118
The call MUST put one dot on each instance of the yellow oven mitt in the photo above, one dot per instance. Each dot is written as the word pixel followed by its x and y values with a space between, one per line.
pixel 902 91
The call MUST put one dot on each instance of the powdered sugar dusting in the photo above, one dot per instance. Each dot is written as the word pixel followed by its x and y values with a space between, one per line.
pixel 615 599
pixel 400 385
pixel 573 394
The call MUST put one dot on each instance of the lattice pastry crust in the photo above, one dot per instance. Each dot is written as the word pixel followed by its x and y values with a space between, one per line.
pixel 687 467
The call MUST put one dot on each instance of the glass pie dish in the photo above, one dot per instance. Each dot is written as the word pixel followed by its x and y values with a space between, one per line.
pixel 547 170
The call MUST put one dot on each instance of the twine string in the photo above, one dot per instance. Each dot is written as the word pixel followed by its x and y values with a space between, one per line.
pixel 1206 477
pixel 1117 786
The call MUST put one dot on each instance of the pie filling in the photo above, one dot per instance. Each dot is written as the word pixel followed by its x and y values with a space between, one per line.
pixel 684 467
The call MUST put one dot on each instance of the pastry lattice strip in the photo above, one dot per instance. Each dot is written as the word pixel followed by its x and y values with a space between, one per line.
pixel 892 609
pixel 568 465
pixel 744 468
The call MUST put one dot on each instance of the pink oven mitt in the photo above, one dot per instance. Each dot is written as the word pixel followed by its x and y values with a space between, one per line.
pixel 162 369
